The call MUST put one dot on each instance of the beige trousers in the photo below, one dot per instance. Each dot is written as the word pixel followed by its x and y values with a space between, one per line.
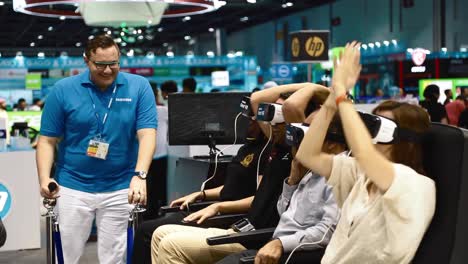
pixel 177 244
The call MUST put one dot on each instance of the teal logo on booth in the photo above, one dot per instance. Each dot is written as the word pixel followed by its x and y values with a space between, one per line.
pixel 5 201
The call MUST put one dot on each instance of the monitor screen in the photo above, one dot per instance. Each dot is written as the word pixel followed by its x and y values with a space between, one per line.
pixel 195 118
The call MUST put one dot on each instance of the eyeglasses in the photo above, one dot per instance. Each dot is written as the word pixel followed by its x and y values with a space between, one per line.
pixel 102 65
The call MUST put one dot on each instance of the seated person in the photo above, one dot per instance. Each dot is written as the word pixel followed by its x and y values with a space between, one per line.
pixel 307 207
pixel 386 202
pixel 239 183
pixel 178 244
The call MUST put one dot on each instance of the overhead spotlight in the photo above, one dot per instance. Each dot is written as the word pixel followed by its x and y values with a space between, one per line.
pixel 19 54
pixel 105 29
pixel 210 54
pixel 122 33
pixel 109 32
pixel 78 44
pixel 62 17
pixel 130 53
pixel 170 54
pixel 187 37
pixel 50 28
pixel 91 37
pixel 135 31
pixel 0 54
pixel 377 44
pixel 371 45
pixel 141 37
pixel 463 49
pixel 211 29
pixel 40 37
pixel 252 1
pixel 118 40
pixel 2 3
pixel 239 54
pixel 40 55
pixel 32 44
pixel 123 44
pixel 444 49
pixel 160 29
pixel 139 31
pixel 289 4
pixel 244 19
pixel 394 42
pixel 219 3
pixel 364 46
pixel 187 18
pixel 386 43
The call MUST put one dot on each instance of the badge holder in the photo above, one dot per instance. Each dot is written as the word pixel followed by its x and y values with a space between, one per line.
pixel 134 221
pixel 97 148
pixel 54 241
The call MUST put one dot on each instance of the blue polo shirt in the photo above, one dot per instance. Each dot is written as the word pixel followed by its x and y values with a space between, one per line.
pixel 69 114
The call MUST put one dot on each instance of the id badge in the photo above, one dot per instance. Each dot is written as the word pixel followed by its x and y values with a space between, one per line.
pixel 97 148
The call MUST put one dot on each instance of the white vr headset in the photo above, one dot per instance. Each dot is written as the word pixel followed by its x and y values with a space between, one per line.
pixel 381 129
pixel 270 112
pixel 386 131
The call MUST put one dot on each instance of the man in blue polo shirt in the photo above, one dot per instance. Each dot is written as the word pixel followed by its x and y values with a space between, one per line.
pixel 104 122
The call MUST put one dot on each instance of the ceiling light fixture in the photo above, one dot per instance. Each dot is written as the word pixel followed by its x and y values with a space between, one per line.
pixel 50 28
pixel 156 8
pixel 2 3
pixel 32 44
pixel 211 29
pixel 244 19
pixel 40 54
pixel 252 1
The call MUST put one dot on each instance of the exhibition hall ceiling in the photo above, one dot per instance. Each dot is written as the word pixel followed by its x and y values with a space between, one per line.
pixel 29 33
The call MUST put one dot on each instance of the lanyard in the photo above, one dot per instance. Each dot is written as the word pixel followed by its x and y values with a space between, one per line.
pixel 96 114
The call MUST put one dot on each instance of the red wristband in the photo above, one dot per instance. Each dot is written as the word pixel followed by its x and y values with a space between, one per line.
pixel 341 98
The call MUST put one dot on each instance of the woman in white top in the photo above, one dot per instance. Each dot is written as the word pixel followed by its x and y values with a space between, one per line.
pixel 387 203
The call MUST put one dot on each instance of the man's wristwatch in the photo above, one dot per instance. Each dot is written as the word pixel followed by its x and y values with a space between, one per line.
pixel 141 174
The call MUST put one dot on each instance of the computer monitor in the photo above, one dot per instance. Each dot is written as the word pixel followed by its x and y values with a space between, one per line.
pixel 205 118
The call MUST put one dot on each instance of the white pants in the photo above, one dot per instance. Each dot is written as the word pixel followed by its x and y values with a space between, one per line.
pixel 76 212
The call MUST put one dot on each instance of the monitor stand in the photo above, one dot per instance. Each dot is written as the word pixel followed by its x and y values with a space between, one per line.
pixel 213 151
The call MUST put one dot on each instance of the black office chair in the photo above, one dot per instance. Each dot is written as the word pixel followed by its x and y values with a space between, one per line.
pixel 446 162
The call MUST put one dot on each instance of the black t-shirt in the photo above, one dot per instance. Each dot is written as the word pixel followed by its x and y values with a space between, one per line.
pixel 263 212
pixel 436 110
pixel 241 174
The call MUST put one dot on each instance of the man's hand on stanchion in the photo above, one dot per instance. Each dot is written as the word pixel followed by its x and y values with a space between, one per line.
pixel 49 189
pixel 137 191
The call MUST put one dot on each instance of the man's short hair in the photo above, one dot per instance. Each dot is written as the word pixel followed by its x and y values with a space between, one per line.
pixel 169 87
pixel 101 41
pixel 190 84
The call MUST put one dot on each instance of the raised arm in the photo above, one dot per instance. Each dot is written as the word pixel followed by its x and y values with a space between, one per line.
pixel 374 164
pixel 310 152
pixel 295 106
pixel 270 95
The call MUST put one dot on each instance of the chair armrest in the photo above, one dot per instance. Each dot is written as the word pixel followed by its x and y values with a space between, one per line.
pixel 259 236
pixel 247 260
pixel 223 221
pixel 192 207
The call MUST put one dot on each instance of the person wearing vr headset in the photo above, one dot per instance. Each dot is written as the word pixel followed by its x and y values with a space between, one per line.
pixel 182 244
pixel 307 208
pixel 386 201
pixel 239 183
